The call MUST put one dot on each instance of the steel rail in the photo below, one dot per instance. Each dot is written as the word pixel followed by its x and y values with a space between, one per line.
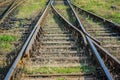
pixel 97 41
pixel 92 47
pixel 5 11
pixel 28 42
pixel 85 42
pixel 21 53
pixel 110 23
pixel 114 62
pixel 101 62
pixel 10 9
pixel 5 2
pixel 37 29
pixel 103 51
pixel 82 28
pixel 105 69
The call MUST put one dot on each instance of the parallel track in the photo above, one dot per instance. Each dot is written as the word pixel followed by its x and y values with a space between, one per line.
pixel 4 6
pixel 6 13
pixel 46 41
pixel 7 57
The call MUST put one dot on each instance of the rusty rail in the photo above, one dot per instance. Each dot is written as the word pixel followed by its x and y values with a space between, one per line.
pixel 11 7
pixel 21 53
pixel 93 48
pixel 28 44
pixel 113 62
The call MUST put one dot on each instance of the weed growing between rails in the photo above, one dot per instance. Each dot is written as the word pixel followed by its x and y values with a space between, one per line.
pixel 64 9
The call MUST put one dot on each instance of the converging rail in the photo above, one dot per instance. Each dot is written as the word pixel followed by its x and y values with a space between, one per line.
pixel 107 33
pixel 56 44
pixel 91 45
pixel 109 59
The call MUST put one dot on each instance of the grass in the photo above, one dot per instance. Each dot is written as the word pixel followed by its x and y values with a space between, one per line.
pixel 30 8
pixel 63 10
pixel 66 12
pixel 101 8
pixel 61 6
pixel 60 79
pixel 6 40
pixel 58 70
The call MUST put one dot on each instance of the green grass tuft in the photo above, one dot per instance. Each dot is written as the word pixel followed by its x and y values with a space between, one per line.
pixel 66 12
pixel 58 70
pixel 6 40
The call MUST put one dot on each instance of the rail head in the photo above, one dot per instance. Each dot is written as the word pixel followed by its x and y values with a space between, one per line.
pixel 81 26
pixel 1 16
pixel 92 47
pixel 98 46
pixel 21 53
pixel 94 50
pixel 104 52
pixel 76 28
pixel 101 62
pixel 10 8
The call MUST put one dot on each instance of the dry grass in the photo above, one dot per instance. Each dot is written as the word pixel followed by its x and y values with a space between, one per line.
pixel 26 10
pixel 101 8
pixel 30 8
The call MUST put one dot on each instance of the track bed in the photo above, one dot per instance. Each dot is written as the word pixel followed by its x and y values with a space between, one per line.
pixel 59 50
pixel 58 53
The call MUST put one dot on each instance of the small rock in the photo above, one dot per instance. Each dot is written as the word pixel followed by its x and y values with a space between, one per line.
pixel 14 19
pixel 113 7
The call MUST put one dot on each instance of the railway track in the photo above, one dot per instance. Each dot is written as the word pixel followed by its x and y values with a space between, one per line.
pixel 56 50
pixel 7 12
pixel 108 35
pixel 104 30
pixel 22 32
pixel 4 5
pixel 7 57
pixel 113 61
